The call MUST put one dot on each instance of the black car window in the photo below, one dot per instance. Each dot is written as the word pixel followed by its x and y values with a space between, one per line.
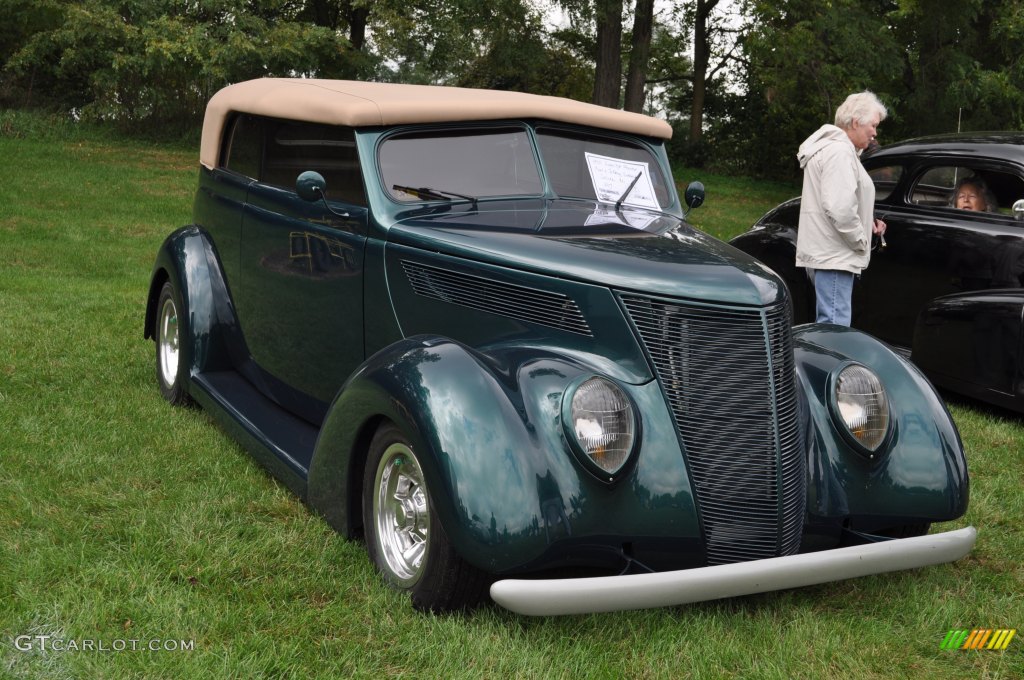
pixel 885 178
pixel 292 148
pixel 602 168
pixel 243 146
pixel 986 190
pixel 451 165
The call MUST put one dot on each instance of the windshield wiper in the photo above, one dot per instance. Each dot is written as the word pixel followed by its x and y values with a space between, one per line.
pixel 618 203
pixel 429 194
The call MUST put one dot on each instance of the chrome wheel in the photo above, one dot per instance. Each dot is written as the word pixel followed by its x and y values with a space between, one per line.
pixel 401 514
pixel 167 343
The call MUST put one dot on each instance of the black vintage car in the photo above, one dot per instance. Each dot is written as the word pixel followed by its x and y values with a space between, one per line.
pixel 946 286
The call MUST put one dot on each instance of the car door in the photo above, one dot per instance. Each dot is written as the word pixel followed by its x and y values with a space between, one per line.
pixel 934 249
pixel 300 293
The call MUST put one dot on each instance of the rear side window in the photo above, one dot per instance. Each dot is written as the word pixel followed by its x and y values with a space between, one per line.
pixel 276 152
pixel 990 191
pixel 242 153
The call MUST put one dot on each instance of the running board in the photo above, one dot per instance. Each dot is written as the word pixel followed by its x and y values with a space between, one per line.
pixel 280 441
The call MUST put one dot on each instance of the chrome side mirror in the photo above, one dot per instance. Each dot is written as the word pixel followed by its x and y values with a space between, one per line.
pixel 1018 210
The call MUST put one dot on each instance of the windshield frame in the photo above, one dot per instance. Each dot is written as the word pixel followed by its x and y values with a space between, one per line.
pixel 657 153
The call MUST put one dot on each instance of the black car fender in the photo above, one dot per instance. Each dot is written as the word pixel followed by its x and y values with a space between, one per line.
pixel 974 343
pixel 774 245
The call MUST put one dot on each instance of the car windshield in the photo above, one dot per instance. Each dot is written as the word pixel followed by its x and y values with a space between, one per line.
pixel 607 169
pixel 459 165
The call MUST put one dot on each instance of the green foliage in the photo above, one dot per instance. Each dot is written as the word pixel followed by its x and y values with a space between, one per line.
pixel 962 66
pixel 803 58
pixel 937 65
pixel 501 45
pixel 159 62
pixel 153 64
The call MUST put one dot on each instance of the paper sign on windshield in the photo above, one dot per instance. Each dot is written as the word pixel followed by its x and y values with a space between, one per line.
pixel 613 176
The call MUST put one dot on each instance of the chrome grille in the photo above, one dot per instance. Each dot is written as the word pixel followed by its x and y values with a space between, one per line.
pixel 515 302
pixel 728 374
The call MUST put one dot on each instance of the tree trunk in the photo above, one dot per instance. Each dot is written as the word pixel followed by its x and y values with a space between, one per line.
pixel 701 57
pixel 324 13
pixel 639 55
pixel 608 74
pixel 357 17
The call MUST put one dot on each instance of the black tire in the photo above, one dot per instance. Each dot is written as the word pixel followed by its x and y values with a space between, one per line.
pixel 168 334
pixel 404 536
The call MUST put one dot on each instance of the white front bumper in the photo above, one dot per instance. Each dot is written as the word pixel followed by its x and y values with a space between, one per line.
pixel 554 597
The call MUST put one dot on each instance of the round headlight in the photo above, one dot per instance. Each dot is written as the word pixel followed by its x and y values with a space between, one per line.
pixel 602 423
pixel 862 405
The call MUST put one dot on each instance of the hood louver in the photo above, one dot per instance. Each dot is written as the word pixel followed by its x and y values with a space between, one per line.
pixel 529 305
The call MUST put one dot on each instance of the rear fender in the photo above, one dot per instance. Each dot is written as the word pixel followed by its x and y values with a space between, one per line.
pixel 973 342
pixel 208 323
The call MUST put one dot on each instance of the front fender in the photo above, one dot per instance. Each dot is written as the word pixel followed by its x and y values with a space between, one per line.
pixel 973 343
pixel 487 430
pixel 921 472
pixel 189 260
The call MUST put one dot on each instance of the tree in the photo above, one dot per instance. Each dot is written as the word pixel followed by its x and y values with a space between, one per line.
pixel 703 36
pixel 340 15
pixel 800 60
pixel 639 55
pixel 518 54
pixel 608 55
pixel 961 66
pixel 140 62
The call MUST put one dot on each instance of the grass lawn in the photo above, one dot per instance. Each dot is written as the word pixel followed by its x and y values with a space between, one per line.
pixel 124 519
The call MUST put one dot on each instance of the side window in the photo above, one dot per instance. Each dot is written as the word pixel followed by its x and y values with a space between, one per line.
pixel 961 187
pixel 935 186
pixel 885 178
pixel 293 147
pixel 242 150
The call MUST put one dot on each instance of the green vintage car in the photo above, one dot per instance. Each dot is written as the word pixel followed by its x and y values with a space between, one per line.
pixel 474 328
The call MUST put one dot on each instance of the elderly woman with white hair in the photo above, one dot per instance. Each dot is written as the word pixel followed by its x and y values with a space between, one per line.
pixel 837 205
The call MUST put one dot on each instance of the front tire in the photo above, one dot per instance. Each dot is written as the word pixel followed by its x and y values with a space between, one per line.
pixel 404 536
pixel 169 334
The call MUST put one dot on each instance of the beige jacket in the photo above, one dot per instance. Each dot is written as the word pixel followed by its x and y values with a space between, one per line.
pixel 836 206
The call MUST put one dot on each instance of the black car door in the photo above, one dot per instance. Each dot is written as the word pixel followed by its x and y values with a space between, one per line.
pixel 934 249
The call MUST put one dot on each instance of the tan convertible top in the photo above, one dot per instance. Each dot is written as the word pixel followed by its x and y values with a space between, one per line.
pixel 355 104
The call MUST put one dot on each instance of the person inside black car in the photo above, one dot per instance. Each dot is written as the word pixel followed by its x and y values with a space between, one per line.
pixel 971 193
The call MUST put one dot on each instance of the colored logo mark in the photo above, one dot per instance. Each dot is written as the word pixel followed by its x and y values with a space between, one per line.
pixel 979 638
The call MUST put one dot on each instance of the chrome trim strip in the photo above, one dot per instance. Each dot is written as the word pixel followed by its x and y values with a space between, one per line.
pixel 555 597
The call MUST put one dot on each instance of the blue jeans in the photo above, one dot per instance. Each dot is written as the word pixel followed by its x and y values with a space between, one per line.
pixel 833 291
